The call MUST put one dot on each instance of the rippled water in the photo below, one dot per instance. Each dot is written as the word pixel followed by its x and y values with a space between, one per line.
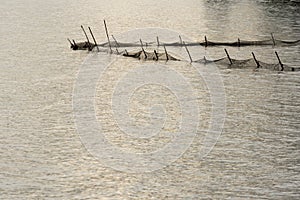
pixel 256 156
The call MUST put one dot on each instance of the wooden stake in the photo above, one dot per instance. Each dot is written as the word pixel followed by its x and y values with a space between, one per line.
pixel 256 61
pixel 166 52
pixel 204 60
pixel 126 52
pixel 106 31
pixel 141 43
pixel 94 38
pixel 115 40
pixel 75 46
pixel 273 39
pixel 157 40
pixel 72 45
pixel 188 52
pixel 156 56
pixel 117 44
pixel 239 42
pixel 86 38
pixel 180 40
pixel 228 56
pixel 279 61
pixel 144 53
pixel 205 38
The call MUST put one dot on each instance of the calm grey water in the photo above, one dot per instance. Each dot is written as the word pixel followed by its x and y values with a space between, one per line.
pixel 42 157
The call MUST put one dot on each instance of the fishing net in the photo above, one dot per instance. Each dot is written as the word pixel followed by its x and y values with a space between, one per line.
pixel 208 43
pixel 150 55
pixel 115 48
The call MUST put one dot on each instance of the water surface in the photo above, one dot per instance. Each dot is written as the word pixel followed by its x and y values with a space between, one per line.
pixel 256 157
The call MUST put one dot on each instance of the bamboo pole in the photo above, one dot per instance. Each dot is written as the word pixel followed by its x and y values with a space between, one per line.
pixel 180 40
pixel 115 40
pixel 273 39
pixel 106 31
pixel 86 38
pixel 156 56
pixel 166 53
pixel 141 43
pixel 157 39
pixel 94 38
pixel 256 61
pixel 279 61
pixel 239 42
pixel 228 56
pixel 144 53
pixel 72 45
pixel 188 52
pixel 126 52
pixel 75 47
pixel 117 44
pixel 205 38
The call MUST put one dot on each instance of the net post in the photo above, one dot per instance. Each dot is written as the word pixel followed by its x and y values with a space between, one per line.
pixel 256 61
pixel 72 45
pixel 273 39
pixel 86 38
pixel 180 39
pixel 156 56
pixel 75 47
pixel 115 40
pixel 144 53
pixel 279 61
pixel 228 56
pixel 166 53
pixel 94 38
pixel 117 44
pixel 188 52
pixel 157 39
pixel 106 31
pixel 141 43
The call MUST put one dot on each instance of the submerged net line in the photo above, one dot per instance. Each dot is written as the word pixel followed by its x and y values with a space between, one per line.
pixel 144 55
pixel 252 63
pixel 249 63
